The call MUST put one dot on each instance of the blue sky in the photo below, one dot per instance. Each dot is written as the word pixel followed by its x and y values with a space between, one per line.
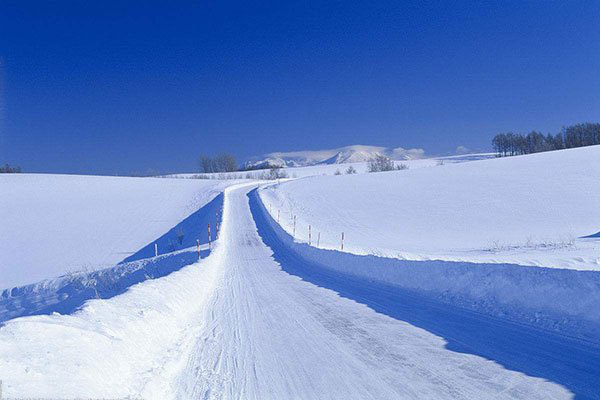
pixel 118 87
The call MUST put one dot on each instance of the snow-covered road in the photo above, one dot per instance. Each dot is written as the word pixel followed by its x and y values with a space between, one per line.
pixel 267 334
pixel 253 321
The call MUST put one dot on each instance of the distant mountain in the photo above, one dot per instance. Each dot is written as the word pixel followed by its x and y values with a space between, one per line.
pixel 348 154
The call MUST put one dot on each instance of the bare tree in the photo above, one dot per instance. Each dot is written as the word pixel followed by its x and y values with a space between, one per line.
pixel 275 172
pixel 510 144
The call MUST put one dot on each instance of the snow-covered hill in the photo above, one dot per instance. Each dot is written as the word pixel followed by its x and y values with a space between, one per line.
pixel 56 224
pixel 347 154
pixel 531 209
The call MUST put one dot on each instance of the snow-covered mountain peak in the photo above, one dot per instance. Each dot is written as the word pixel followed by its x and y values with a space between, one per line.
pixel 347 154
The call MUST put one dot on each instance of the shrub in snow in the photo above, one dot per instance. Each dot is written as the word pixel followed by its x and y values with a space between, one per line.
pixel 275 172
pixel 380 163
pixel 350 170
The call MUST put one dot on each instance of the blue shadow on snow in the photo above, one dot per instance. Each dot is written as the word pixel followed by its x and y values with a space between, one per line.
pixel 68 293
pixel 569 362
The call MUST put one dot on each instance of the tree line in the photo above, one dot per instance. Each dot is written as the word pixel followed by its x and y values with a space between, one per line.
pixel 511 144
pixel 221 163
pixel 7 169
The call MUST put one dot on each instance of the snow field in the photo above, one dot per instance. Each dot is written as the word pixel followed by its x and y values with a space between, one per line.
pixel 530 210
pixel 426 230
pixel 58 224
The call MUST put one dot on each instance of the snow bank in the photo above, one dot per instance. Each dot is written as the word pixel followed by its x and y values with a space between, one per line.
pixel 58 224
pixel 110 348
pixel 532 210
pixel 129 346
pixel 67 293
pixel 561 300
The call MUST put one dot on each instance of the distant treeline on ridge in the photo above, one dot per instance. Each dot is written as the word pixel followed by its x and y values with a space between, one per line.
pixel 510 144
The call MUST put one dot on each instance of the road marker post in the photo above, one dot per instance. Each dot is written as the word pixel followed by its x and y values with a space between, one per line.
pixel 198 248
pixel 318 239
pixel 342 248
pixel 155 250
pixel 278 213
pixel 294 235
pixel 209 241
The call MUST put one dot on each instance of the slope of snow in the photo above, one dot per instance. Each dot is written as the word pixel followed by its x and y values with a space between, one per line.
pixel 238 326
pixel 565 301
pixel 57 224
pixel 528 210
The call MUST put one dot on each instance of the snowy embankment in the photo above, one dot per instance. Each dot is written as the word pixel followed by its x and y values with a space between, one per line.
pixel 128 346
pixel 430 230
pixel 62 236
pixel 117 348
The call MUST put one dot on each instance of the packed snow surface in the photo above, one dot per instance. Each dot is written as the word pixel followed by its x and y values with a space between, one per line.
pixel 253 322
pixel 533 210
pixel 57 224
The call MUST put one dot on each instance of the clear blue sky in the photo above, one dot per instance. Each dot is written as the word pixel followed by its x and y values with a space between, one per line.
pixel 116 87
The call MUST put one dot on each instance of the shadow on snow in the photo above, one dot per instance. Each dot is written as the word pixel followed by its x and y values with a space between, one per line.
pixel 571 363
pixel 68 293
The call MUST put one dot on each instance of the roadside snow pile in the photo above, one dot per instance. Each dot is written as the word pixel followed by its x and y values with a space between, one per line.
pixel 530 210
pixel 67 293
pixel 125 347
pixel 129 346
pixel 560 300
pixel 54 225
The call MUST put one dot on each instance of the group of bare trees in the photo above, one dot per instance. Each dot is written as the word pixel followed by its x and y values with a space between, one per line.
pixel 7 169
pixel 220 163
pixel 510 144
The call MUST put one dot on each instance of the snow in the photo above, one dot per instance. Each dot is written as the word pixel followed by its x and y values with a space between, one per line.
pixel 331 169
pixel 347 154
pixel 415 306
pixel 243 324
pixel 530 210
pixel 59 224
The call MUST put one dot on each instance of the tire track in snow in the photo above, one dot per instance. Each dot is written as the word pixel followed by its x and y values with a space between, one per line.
pixel 271 335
